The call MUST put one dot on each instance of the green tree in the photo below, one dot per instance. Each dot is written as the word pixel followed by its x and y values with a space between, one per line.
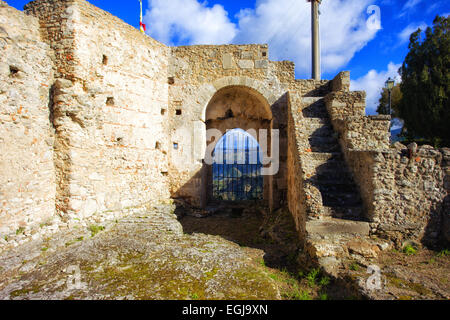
pixel 425 84
pixel 396 97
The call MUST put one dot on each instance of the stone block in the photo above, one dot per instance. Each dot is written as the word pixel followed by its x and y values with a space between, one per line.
pixel 363 248
pixel 247 55
pixel 246 64
pixel 228 61
pixel 261 64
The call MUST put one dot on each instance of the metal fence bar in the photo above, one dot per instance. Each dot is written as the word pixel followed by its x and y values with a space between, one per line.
pixel 237 177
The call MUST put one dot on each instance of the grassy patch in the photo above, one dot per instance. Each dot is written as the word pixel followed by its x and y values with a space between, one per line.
pixel 409 250
pixel 354 267
pixel 68 244
pixel 21 230
pixel 323 296
pixel 194 296
pixel 94 229
pixel 25 291
pixel 443 253
pixel 210 274
pixel 403 284
pixel 312 276
pixel 262 263
pixel 302 285
pixel 45 224
pixel 303 295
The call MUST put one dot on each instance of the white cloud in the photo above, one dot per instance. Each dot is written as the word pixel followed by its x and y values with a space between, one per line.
pixel 284 24
pixel 409 5
pixel 373 82
pixel 189 21
pixel 405 34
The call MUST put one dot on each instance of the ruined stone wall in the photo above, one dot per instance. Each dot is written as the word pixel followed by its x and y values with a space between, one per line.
pixel 411 186
pixel 359 135
pixel 27 173
pixel 196 74
pixel 404 192
pixel 111 88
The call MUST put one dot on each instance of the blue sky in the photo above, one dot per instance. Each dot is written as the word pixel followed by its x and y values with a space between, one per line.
pixel 350 33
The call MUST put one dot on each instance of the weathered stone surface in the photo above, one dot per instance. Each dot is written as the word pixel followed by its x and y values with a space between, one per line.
pixel 27 172
pixel 337 226
pixel 228 61
pixel 144 256
pixel 363 248
pixel 246 64
pixel 261 64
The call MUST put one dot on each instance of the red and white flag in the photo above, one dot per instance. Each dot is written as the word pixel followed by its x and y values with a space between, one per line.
pixel 142 26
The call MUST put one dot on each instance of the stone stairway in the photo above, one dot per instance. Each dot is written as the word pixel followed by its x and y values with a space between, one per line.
pixel 326 168
pixel 341 219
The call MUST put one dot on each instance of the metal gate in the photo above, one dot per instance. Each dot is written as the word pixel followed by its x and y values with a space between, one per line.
pixel 237 168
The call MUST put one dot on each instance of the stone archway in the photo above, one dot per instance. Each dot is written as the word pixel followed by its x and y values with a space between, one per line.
pixel 207 91
pixel 232 107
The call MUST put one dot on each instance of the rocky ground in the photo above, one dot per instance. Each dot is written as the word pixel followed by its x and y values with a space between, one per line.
pixel 144 256
pixel 420 275
pixel 164 252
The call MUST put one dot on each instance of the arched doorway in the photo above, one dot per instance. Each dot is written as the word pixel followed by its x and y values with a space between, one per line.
pixel 238 113
pixel 236 171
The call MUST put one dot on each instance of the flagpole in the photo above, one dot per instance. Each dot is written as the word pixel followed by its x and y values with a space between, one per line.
pixel 141 25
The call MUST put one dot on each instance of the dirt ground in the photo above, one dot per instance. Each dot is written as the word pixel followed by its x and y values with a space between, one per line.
pixel 424 275
pixel 169 252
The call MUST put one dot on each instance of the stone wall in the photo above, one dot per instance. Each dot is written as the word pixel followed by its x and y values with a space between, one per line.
pixel 27 173
pixel 359 135
pixel 403 191
pixel 111 88
pixel 410 187
pixel 299 200
pixel 304 200
pixel 196 75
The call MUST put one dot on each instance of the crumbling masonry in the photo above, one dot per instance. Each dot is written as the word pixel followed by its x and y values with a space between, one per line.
pixel 96 117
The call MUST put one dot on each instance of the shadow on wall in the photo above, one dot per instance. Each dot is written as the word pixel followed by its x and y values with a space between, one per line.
pixel 445 232
pixel 434 232
pixel 437 231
